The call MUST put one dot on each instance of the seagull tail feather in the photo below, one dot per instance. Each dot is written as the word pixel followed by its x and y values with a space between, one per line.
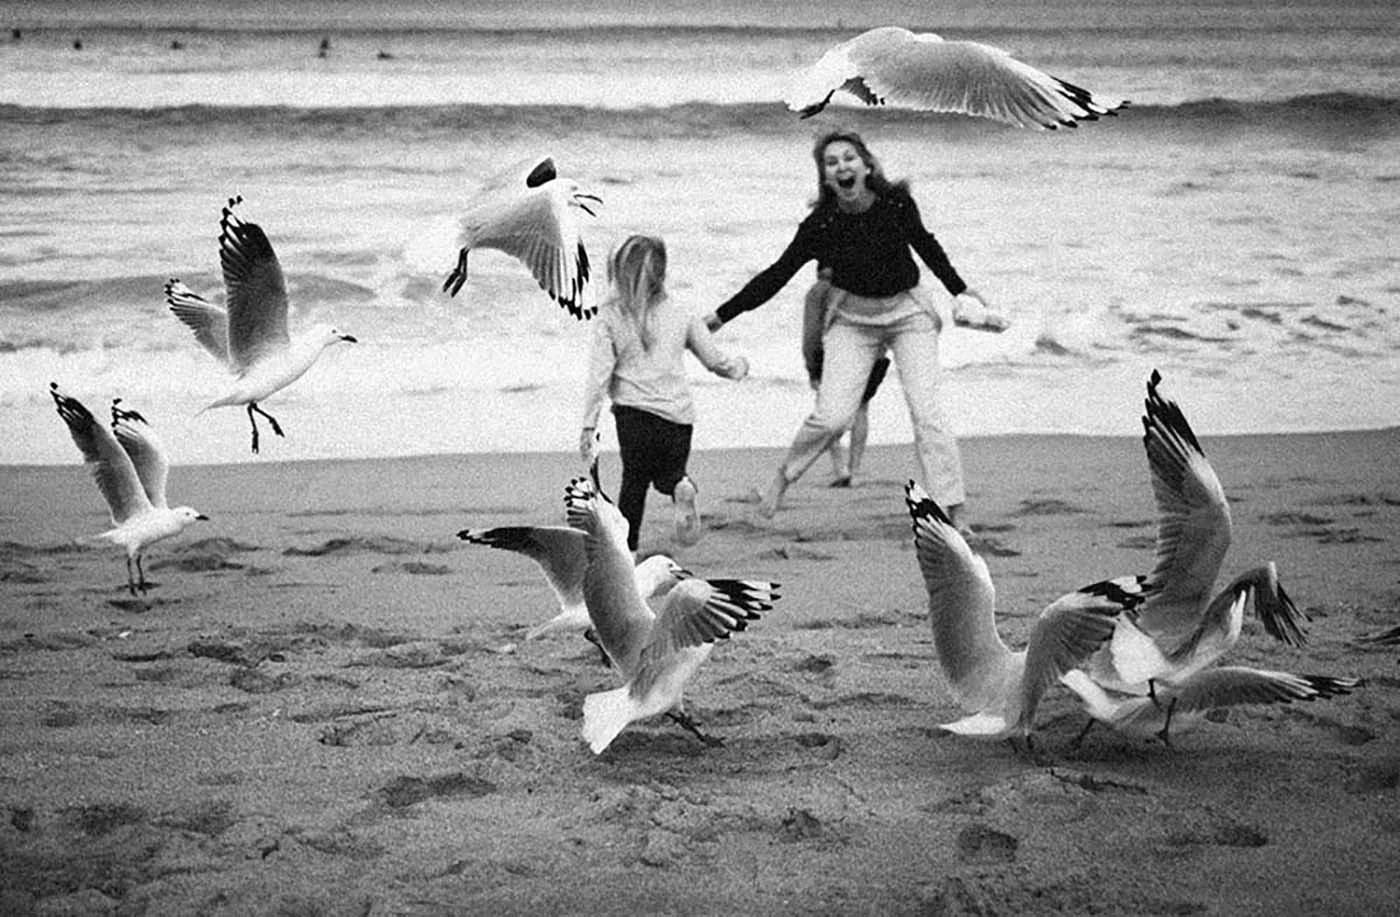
pixel 605 715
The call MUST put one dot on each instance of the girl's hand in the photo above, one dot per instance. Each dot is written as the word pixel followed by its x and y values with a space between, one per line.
pixel 588 445
pixel 743 368
pixel 712 322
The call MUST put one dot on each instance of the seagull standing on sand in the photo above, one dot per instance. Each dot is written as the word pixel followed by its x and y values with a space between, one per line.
pixel 129 464
pixel 1001 688
pixel 250 336
pixel 656 653
pixel 1180 629
pixel 529 211
pixel 924 72
pixel 559 551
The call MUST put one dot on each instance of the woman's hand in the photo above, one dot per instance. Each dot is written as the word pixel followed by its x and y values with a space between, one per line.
pixel 979 317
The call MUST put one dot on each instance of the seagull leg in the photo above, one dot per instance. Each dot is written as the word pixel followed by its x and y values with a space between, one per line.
pixel 140 575
pixel 254 409
pixel 130 579
pixel 253 420
pixel 1079 739
pixel 685 722
pixel 276 427
pixel 458 276
pixel 591 636
pixel 1165 732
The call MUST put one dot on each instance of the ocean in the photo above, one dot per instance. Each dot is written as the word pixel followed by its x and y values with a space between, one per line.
pixel 1233 227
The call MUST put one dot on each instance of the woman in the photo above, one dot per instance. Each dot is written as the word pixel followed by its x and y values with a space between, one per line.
pixel 640 337
pixel 862 227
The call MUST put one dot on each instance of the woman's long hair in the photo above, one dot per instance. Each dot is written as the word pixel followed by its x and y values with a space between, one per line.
pixel 637 273
pixel 877 181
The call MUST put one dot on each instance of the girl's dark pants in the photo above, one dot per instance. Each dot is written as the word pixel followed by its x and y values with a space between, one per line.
pixel 654 452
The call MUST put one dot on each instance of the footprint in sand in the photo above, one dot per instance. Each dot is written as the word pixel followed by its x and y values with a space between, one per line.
pixel 981 844
pixel 402 792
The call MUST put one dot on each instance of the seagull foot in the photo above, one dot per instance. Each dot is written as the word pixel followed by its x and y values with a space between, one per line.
pixel 686 723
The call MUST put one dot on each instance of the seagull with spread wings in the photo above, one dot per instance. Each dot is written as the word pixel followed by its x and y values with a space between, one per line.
pixel 656 653
pixel 529 211
pixel 925 72
pixel 559 552
pixel 249 335
pixel 130 467
pixel 1184 625
pixel 999 688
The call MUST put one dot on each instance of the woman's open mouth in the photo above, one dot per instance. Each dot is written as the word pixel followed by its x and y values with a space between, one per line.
pixel 846 182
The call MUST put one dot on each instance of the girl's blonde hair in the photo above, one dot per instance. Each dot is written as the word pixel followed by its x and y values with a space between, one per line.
pixel 637 273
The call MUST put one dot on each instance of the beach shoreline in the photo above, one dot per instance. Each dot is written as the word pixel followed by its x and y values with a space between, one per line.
pixel 326 705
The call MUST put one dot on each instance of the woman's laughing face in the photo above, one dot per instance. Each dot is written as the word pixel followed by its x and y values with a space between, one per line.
pixel 844 170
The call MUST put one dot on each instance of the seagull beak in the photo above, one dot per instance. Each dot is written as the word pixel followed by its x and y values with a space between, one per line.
pixel 202 517
pixel 580 198
pixel 349 339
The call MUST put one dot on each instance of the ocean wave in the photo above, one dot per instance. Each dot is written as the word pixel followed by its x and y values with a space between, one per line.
pixel 1376 115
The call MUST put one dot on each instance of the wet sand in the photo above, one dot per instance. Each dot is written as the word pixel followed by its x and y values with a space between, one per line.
pixel 324 704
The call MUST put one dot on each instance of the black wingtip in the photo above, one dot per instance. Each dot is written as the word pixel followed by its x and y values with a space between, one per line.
pixel 923 506
pixel 1166 413
pixel 541 173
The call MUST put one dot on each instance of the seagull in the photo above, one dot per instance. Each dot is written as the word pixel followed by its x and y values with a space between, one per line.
pixel 250 337
pixel 1001 688
pixel 528 211
pixel 656 653
pixel 129 464
pixel 1180 628
pixel 1186 702
pixel 924 72
pixel 559 551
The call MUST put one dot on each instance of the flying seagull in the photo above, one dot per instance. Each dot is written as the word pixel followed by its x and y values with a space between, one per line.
pixel 529 211
pixel 249 336
pixel 924 72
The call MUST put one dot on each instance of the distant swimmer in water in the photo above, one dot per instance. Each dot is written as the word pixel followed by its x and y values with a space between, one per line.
pixel 325 47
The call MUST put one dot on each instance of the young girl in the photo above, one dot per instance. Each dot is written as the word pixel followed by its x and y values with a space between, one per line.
pixel 639 340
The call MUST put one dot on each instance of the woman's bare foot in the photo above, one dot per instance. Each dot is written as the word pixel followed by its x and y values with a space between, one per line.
pixel 774 497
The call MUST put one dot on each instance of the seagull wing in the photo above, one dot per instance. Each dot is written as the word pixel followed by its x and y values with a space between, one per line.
pixel 961 604
pixel 1193 527
pixel 540 227
pixel 110 466
pixel 1282 619
pixel 146 451
pixel 923 71
pixel 1068 632
pixel 620 615
pixel 1233 686
pixel 699 612
pixel 558 550
pixel 257 292
pixel 208 322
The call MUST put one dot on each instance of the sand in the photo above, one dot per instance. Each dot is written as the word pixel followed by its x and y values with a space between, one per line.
pixel 324 705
